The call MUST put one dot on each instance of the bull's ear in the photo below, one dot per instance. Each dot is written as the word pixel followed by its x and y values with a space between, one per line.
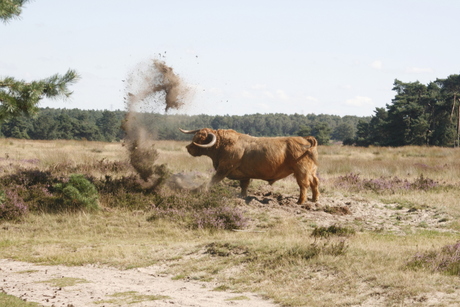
pixel 189 131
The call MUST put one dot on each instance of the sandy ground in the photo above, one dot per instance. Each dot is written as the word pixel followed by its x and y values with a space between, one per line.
pixel 105 286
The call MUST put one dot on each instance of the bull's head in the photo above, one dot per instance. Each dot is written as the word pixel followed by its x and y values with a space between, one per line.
pixel 203 139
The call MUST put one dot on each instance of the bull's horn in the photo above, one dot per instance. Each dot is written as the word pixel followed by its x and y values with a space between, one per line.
pixel 189 131
pixel 210 144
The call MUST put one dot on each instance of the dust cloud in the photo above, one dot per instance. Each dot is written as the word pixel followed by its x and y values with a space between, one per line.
pixel 153 85
pixel 150 87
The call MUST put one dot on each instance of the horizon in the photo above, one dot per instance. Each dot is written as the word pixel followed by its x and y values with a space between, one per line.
pixel 200 114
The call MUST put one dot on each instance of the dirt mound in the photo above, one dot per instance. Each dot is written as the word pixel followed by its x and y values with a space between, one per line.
pixel 357 212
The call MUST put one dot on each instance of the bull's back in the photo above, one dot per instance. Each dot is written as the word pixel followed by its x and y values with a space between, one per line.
pixel 270 158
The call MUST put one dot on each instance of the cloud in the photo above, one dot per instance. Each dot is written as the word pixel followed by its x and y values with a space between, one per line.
pixel 418 70
pixel 311 99
pixel 277 95
pixel 263 106
pixel 377 64
pixel 258 91
pixel 280 94
pixel 359 101
pixel 269 95
pixel 247 94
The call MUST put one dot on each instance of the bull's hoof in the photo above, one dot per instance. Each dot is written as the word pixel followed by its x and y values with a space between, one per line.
pixel 249 199
pixel 201 189
pixel 306 207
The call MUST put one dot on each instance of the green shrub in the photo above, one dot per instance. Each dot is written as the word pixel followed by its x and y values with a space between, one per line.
pixel 78 193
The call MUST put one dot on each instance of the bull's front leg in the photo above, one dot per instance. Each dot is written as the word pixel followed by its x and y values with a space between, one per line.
pixel 218 177
pixel 221 172
pixel 224 170
pixel 244 184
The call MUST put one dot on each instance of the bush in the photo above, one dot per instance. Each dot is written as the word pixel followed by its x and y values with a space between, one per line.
pixel 209 210
pixel 333 230
pixel 225 217
pixel 12 206
pixel 121 185
pixel 349 142
pixel 311 251
pixel 78 193
pixel 447 260
pixel 382 184
pixel 27 178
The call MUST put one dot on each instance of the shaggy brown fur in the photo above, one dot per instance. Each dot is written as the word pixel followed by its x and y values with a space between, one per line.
pixel 243 157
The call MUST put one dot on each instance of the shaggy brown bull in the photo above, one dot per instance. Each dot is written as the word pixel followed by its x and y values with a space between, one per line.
pixel 243 157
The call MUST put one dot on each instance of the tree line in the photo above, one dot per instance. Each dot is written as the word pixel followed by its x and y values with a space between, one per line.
pixel 98 125
pixel 418 115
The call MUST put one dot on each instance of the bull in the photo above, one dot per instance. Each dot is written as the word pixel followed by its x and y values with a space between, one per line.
pixel 243 157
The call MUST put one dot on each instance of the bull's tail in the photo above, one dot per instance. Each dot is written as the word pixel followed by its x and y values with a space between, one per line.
pixel 311 139
pixel 311 150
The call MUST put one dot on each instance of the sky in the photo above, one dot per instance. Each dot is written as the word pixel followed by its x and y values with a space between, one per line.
pixel 239 57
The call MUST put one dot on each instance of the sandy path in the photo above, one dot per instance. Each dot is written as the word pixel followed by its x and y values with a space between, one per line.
pixel 33 283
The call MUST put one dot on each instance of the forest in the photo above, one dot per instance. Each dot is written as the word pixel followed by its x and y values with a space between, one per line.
pixel 96 125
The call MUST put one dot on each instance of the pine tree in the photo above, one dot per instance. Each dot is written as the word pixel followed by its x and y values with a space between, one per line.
pixel 19 97
pixel 10 9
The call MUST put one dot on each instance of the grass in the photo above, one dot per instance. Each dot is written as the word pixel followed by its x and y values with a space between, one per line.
pixel 64 282
pixel 405 162
pixel 292 261
pixel 131 297
pixel 239 298
pixel 12 301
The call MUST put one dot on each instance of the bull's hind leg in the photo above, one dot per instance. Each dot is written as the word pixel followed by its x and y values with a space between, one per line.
pixel 303 182
pixel 314 184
